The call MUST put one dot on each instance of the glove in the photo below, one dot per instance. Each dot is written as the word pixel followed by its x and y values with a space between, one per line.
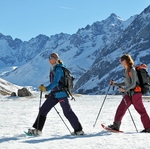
pixel 121 89
pixel 112 82
pixel 42 88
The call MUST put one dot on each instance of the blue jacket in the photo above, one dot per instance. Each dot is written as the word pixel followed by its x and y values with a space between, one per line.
pixel 58 74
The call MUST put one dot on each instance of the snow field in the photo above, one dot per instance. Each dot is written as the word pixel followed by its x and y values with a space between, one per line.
pixel 18 114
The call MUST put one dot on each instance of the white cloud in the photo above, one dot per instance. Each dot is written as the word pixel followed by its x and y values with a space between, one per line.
pixel 67 8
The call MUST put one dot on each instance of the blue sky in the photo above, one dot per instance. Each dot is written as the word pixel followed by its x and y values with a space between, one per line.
pixel 25 19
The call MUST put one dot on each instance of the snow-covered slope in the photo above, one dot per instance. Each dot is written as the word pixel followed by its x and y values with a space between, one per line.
pixel 134 40
pixel 18 115
pixel 7 88
pixel 78 51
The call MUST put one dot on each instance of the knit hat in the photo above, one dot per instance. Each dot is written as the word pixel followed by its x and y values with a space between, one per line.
pixel 55 56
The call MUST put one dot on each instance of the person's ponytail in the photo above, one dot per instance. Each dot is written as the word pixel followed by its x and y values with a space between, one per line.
pixel 60 61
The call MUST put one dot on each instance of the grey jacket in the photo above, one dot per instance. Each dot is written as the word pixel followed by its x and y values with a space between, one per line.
pixel 129 83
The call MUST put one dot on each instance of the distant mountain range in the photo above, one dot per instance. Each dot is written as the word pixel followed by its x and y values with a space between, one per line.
pixel 135 40
pixel 92 54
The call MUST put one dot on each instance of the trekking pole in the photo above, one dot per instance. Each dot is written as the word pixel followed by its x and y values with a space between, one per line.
pixel 39 109
pixel 101 106
pixel 62 120
pixel 130 113
pixel 40 100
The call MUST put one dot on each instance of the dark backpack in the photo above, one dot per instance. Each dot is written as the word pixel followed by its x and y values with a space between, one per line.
pixel 69 79
pixel 68 83
pixel 144 78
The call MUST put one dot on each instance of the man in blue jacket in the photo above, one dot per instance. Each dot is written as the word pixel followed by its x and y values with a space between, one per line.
pixel 56 95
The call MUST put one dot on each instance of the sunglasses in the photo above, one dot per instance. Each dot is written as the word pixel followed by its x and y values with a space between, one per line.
pixel 50 57
pixel 121 60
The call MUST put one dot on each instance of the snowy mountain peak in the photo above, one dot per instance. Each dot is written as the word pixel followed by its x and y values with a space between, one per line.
pixel 113 15
pixel 98 26
pixel 61 36
pixel 113 19
pixel 147 10
pixel 3 37
pixel 41 36
pixel 145 15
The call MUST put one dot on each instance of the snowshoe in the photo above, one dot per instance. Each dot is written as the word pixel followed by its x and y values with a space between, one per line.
pixel 110 129
pixel 77 133
pixel 34 132
pixel 115 126
pixel 145 131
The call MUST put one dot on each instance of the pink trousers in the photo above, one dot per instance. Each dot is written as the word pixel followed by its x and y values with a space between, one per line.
pixel 137 102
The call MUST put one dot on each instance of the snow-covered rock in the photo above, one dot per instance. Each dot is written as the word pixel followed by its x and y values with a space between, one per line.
pixel 6 88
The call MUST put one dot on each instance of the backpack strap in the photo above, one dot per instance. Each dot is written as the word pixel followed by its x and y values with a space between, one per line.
pixel 142 66
pixel 129 74
pixel 137 88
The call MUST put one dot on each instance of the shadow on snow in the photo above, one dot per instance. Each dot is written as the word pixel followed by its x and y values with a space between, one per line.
pixel 102 133
pixel 15 138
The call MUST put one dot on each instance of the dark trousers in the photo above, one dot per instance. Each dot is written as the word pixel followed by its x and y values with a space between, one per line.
pixel 49 103
pixel 137 102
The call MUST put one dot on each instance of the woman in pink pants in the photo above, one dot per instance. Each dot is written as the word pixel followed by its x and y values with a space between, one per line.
pixel 132 95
